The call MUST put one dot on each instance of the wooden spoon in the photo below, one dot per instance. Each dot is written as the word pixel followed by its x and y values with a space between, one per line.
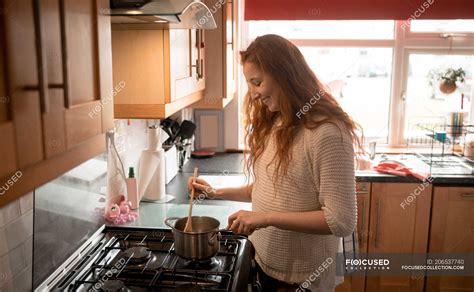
pixel 189 223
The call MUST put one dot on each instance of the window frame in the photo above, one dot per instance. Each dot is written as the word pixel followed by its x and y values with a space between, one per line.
pixel 404 43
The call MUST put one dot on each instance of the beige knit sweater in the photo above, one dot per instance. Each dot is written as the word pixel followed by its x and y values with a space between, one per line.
pixel 320 177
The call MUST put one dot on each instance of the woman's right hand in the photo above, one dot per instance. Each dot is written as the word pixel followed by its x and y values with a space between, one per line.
pixel 201 187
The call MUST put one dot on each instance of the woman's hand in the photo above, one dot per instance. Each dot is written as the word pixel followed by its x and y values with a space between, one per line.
pixel 246 222
pixel 201 187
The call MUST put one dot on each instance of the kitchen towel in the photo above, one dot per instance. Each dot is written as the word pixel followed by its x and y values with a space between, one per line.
pixel 151 169
pixel 400 170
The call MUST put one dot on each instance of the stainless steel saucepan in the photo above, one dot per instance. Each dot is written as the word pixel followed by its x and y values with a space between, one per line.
pixel 200 244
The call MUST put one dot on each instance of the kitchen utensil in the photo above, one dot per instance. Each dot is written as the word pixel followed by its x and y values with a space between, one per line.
pixel 186 131
pixel 200 244
pixel 171 127
pixel 189 223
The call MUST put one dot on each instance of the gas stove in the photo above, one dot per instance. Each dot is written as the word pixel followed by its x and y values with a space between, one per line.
pixel 143 259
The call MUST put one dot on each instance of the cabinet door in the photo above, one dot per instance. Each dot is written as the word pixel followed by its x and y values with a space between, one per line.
pixel 88 81
pixel 54 134
pixel 399 220
pixel 7 142
pixel 23 83
pixel 186 62
pixel 452 231
pixel 70 38
pixel 357 283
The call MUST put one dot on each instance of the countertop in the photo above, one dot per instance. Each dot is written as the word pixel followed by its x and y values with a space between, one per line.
pixel 229 167
pixel 233 164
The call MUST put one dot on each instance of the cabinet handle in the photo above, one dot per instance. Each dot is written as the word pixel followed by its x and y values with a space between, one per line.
pixel 198 69
pixel 201 69
pixel 467 195
pixel 379 203
pixel 62 21
pixel 55 86
pixel 41 59
pixel 363 215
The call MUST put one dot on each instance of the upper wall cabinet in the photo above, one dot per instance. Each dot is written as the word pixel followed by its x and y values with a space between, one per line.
pixel 161 70
pixel 55 89
pixel 221 44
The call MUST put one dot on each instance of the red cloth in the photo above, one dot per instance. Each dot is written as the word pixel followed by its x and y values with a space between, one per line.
pixel 400 170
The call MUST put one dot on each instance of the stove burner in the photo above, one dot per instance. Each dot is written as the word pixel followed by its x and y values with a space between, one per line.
pixel 113 285
pixel 138 254
pixel 208 264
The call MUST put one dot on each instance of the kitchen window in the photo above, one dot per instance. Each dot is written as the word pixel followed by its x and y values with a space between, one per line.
pixel 378 69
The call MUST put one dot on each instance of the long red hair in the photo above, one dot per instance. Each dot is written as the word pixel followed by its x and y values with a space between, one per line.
pixel 303 100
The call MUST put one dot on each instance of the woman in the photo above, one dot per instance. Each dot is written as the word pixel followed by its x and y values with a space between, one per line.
pixel 301 156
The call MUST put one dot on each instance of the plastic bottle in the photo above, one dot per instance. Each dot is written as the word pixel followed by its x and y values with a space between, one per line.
pixel 132 189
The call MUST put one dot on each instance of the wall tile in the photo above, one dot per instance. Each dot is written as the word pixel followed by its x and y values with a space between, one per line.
pixel 2 223
pixel 5 271
pixel 16 258
pixel 19 230
pixel 10 212
pixel 20 282
pixel 23 281
pixel 28 250
pixel 3 242
pixel 26 203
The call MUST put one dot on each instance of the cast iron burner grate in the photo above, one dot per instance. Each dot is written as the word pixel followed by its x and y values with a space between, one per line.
pixel 140 260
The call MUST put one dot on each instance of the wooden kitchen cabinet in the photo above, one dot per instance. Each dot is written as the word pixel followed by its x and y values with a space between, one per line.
pixel 221 45
pixel 75 80
pixel 162 70
pixel 394 229
pixel 22 88
pixel 357 283
pixel 56 84
pixel 451 231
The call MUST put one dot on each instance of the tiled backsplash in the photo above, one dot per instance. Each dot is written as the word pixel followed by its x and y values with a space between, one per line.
pixel 16 245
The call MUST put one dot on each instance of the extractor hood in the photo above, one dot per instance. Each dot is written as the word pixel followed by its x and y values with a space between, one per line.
pixel 174 14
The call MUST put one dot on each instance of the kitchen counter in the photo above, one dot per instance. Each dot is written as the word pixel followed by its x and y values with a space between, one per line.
pixel 153 215
pixel 233 164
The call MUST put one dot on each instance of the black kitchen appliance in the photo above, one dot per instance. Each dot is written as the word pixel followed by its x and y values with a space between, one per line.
pixel 143 259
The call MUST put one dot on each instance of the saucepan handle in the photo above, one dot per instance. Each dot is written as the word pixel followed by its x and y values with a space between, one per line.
pixel 170 221
pixel 212 240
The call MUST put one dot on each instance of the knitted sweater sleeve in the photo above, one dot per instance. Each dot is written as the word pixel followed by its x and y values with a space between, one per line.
pixel 332 164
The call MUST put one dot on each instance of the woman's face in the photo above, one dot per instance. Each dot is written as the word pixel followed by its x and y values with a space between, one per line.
pixel 262 87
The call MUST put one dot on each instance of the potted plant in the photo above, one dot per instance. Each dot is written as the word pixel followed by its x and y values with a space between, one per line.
pixel 447 79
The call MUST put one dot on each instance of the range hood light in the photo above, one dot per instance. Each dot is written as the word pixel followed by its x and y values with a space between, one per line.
pixel 160 21
pixel 134 12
